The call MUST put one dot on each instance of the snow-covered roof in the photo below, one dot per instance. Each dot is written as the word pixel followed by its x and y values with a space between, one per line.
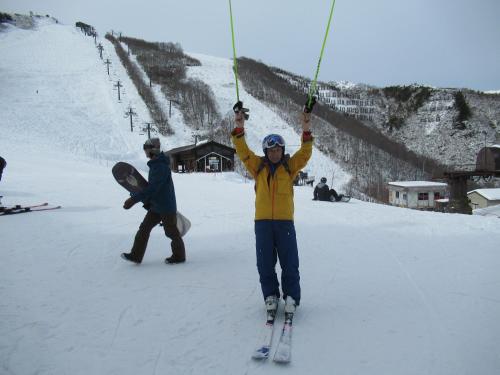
pixel 418 184
pixel 193 146
pixel 490 194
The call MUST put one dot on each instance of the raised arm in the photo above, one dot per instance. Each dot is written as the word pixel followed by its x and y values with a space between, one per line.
pixel 302 156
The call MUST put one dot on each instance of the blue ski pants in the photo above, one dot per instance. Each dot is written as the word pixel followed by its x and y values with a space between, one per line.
pixel 276 239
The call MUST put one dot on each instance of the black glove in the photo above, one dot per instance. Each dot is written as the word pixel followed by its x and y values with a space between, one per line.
pixel 308 107
pixel 238 107
pixel 128 203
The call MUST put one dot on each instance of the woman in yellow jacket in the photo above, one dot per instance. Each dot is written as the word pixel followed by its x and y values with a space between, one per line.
pixel 274 227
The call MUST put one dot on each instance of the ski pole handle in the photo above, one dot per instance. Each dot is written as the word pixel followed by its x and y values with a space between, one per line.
pixel 238 108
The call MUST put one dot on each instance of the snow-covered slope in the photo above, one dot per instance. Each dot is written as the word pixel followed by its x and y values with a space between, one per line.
pixel 385 290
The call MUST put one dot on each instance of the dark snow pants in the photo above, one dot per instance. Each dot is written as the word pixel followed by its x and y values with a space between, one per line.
pixel 151 220
pixel 334 196
pixel 276 239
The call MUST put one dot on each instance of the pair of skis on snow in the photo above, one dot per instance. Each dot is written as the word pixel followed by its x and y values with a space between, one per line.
pixel 283 353
pixel 20 209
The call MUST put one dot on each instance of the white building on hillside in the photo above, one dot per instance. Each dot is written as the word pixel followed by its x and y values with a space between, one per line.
pixel 482 198
pixel 416 194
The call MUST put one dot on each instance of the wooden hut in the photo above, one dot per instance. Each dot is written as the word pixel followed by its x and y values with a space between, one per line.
pixel 205 156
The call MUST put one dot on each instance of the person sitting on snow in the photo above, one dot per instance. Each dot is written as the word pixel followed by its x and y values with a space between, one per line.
pixel 275 237
pixel 323 193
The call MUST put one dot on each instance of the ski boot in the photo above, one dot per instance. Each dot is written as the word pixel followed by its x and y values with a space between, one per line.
pixel 271 307
pixel 290 306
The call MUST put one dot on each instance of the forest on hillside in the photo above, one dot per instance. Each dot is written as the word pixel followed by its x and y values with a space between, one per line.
pixel 166 64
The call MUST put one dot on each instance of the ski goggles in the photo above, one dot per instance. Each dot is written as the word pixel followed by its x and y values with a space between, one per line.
pixel 273 140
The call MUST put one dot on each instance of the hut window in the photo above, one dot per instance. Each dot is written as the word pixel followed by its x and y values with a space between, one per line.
pixel 423 196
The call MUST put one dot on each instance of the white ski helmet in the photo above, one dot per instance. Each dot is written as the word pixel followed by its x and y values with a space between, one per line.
pixel 273 140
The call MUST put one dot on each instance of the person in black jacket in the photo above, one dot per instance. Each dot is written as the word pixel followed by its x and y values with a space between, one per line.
pixel 323 193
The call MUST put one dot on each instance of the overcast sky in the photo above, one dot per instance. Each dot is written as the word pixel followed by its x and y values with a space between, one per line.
pixel 443 43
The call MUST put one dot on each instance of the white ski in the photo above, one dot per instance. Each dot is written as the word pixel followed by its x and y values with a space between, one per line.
pixel 283 353
pixel 263 349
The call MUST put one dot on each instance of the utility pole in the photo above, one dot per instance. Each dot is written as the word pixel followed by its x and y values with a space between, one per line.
pixel 100 48
pixel 107 63
pixel 118 85
pixel 130 113
pixel 485 134
pixel 95 37
pixel 148 129
pixel 170 106
pixel 195 136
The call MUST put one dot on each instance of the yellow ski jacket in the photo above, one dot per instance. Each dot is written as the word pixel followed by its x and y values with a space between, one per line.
pixel 273 193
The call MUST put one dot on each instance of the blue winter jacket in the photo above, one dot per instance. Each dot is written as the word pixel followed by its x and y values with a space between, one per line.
pixel 160 193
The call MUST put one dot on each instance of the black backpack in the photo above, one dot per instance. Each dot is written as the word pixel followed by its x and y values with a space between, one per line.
pixel 265 161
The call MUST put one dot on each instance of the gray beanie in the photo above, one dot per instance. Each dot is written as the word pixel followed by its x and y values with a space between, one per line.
pixel 152 145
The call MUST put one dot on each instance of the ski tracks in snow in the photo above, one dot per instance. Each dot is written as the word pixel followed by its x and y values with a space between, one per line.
pixel 118 324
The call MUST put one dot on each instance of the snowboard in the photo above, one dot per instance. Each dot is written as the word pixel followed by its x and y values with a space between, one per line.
pixel 345 198
pixel 129 178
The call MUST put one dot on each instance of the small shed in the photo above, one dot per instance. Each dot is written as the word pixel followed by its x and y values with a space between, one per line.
pixel 204 156
pixel 416 194
pixel 481 198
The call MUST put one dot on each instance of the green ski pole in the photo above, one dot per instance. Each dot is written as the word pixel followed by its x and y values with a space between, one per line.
pixel 235 61
pixel 312 88
pixel 238 107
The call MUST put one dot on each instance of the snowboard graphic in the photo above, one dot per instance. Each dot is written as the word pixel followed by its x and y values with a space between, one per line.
pixel 128 177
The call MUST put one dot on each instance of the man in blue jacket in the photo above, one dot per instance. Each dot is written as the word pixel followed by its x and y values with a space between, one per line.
pixel 159 199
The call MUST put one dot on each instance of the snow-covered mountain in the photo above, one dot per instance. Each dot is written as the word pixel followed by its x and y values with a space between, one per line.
pixel 385 290
pixel 425 119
